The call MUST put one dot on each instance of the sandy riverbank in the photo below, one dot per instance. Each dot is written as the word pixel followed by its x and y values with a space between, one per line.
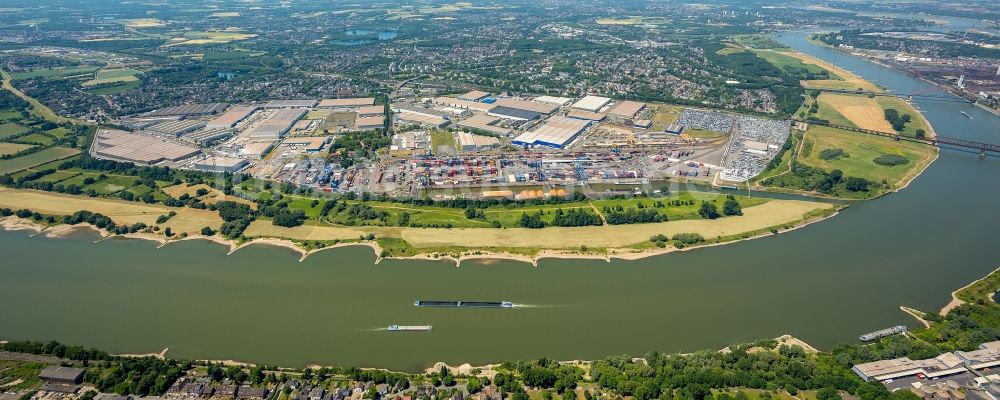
pixel 955 301
pixel 485 256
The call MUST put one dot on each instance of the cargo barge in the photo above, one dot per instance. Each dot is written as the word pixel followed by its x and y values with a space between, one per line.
pixel 471 304
pixel 409 328
pixel 868 337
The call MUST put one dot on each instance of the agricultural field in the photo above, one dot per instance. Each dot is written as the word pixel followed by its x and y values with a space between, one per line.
pixel 55 73
pixel 635 20
pixel 862 111
pixel 194 38
pixel 36 159
pixel 845 79
pixel 12 129
pixel 824 112
pixel 854 153
pixel 143 23
pixel 13 148
pixel 784 61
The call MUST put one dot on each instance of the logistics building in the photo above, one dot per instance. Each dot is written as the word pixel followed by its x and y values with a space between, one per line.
pixel 347 104
pixel 232 117
pixel 256 150
pixel 463 104
pixel 484 123
pixel 475 95
pixel 371 111
pixel 277 124
pixel 291 104
pixel 189 110
pixel 206 136
pixel 220 164
pixel 176 128
pixel 421 117
pixel 586 115
pixel 987 356
pixel 627 109
pixel 137 148
pixel 471 142
pixel 557 132
pixel 369 123
pixel 592 103
pixel 526 105
pixel 559 101
pixel 516 114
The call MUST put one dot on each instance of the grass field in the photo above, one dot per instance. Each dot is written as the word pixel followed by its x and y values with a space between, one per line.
pixel 13 148
pixel 143 23
pixel 35 159
pixel 11 129
pixel 187 219
pixel 782 60
pixel 442 138
pixel 193 38
pixel 664 115
pixel 60 72
pixel 827 112
pixel 122 87
pixel 846 79
pixel 861 149
pixel 773 213
pixel 863 111
pixel 685 211
pixel 113 75
pixel 36 138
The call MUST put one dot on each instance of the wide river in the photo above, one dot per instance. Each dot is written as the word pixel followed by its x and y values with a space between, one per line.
pixel 825 283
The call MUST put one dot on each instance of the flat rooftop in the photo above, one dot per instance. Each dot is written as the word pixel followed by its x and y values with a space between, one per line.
pixel 347 102
pixel 627 109
pixel 139 148
pixel 591 103
pixel 527 105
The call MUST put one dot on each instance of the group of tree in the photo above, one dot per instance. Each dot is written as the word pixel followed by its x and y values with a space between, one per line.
pixel 897 120
pixel 633 216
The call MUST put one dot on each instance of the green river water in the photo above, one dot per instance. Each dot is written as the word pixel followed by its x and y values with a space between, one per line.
pixel 825 283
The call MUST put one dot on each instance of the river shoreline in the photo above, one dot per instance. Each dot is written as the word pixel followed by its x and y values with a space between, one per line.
pixel 14 223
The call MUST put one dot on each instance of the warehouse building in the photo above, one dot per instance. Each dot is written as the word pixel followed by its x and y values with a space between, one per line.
pixel 220 164
pixel 514 113
pixel 371 111
pixel 422 117
pixel 484 123
pixel 206 136
pixel 559 101
pixel 627 109
pixel 291 104
pixel 369 123
pixel 311 144
pixel 471 142
pixel 189 110
pixel 586 115
pixel 557 132
pixel 64 375
pixel 463 104
pixel 230 118
pixel 942 365
pixel 277 124
pixel 256 150
pixel 137 148
pixel 592 103
pixel 347 103
pixel 526 105
pixel 176 128
pixel 987 356
pixel 475 95
pixel 412 140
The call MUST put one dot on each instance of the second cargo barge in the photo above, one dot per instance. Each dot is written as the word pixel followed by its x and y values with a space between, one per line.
pixel 469 304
